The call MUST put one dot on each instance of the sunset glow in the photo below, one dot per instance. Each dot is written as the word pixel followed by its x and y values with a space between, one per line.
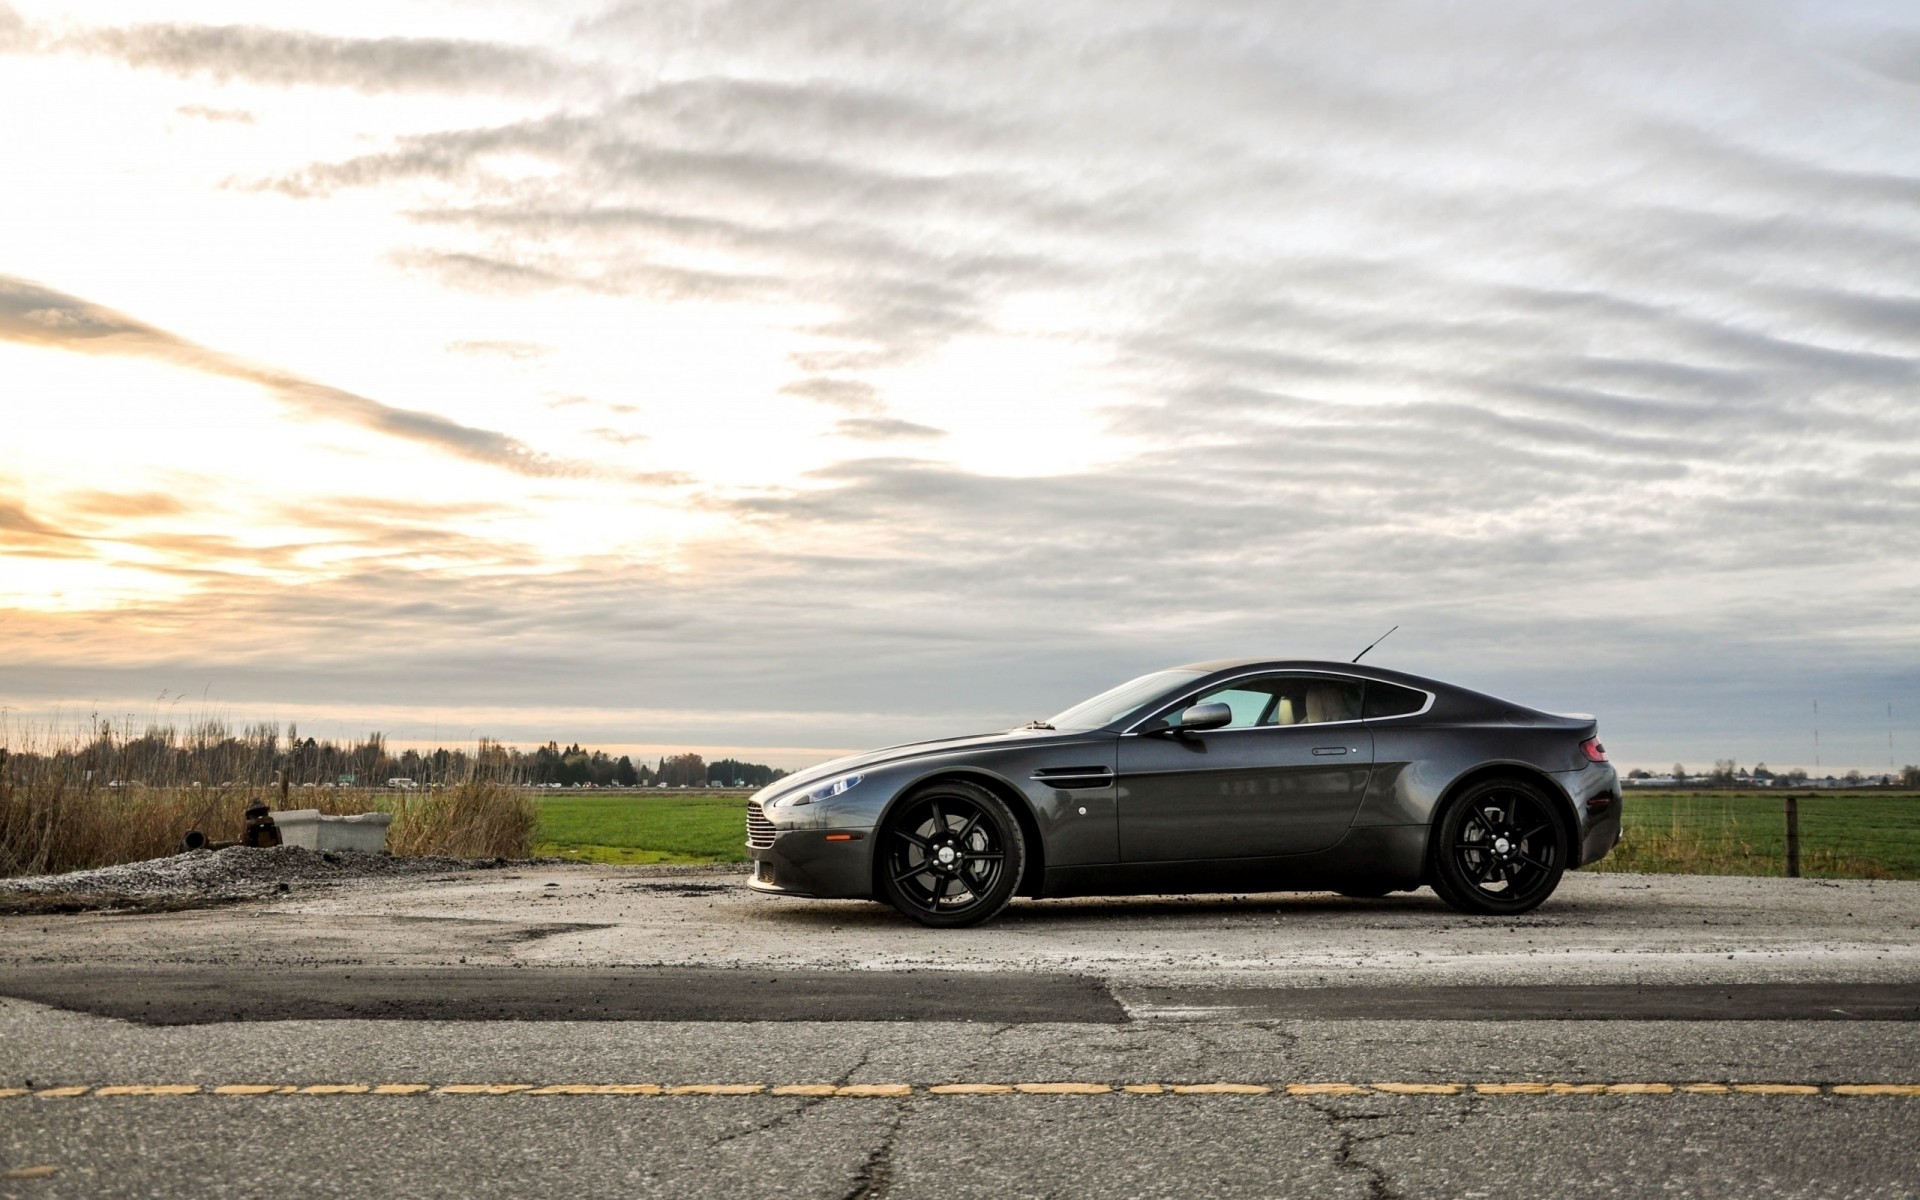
pixel 777 380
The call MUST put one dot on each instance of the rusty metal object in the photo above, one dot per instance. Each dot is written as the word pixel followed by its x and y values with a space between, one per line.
pixel 260 832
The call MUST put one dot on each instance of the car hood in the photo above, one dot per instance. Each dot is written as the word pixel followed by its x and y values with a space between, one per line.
pixel 890 754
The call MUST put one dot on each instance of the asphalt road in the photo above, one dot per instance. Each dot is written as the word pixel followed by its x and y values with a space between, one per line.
pixel 198 996
pixel 625 1038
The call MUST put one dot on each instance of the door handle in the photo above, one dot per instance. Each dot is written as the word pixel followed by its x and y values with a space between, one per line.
pixel 1329 749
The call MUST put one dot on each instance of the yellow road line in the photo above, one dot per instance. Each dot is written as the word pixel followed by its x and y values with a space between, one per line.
pixel 875 1089
pixel 1518 1087
pixel 149 1089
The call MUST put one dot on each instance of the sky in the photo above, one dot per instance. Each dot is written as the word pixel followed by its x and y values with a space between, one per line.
pixel 774 379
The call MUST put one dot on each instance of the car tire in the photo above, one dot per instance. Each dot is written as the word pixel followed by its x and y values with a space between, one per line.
pixel 1499 848
pixel 950 854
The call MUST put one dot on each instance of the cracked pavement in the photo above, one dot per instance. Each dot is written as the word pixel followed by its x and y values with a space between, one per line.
pixel 1182 969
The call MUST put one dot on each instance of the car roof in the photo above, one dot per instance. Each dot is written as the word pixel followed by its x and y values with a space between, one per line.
pixel 1385 674
pixel 1455 693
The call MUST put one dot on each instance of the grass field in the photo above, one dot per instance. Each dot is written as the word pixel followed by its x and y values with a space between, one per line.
pixel 1843 835
pixel 644 827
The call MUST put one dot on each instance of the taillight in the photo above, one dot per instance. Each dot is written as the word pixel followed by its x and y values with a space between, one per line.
pixel 1594 751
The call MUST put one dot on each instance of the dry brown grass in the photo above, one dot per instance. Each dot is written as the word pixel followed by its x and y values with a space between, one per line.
pixel 56 816
pixel 477 818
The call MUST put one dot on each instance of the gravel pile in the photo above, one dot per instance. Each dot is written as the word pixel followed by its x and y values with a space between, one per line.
pixel 238 872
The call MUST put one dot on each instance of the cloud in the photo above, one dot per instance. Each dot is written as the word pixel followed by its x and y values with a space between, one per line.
pixel 1581 343
pixel 880 429
pixel 289 58
pixel 33 314
pixel 851 395
pixel 123 504
pixel 507 348
pixel 14 518
pixel 618 437
pixel 15 35
pixel 227 116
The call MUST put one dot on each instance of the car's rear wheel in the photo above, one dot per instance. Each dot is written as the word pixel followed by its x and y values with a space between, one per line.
pixel 1500 848
pixel 951 854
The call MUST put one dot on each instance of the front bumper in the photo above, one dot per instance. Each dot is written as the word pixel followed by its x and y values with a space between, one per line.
pixel 832 864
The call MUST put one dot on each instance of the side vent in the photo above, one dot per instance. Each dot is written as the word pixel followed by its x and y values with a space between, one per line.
pixel 1074 778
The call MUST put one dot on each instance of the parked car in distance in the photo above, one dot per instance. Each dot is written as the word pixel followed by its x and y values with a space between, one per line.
pixel 1243 775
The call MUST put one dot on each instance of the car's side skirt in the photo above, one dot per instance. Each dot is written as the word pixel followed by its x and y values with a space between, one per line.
pixel 1393 856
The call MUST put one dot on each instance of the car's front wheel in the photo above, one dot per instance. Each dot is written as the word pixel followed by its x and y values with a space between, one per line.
pixel 950 855
pixel 1499 849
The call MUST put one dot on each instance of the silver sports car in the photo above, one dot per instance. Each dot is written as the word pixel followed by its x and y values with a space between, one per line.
pixel 1236 776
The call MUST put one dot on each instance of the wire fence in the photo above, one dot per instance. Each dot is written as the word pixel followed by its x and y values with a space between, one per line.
pixel 1829 835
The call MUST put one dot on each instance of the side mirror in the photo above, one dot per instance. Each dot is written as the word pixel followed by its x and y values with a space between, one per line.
pixel 1202 716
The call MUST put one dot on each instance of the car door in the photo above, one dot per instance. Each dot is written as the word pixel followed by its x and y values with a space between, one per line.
pixel 1285 777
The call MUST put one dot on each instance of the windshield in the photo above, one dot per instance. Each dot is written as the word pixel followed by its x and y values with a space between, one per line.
pixel 1111 705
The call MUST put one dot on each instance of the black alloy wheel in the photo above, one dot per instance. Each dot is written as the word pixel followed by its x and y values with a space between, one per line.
pixel 951 855
pixel 1500 849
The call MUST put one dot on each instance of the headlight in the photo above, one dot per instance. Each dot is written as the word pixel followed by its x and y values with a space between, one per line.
pixel 821 791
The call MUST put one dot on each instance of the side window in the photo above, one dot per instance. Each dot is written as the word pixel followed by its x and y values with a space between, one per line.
pixel 1287 700
pixel 1249 704
pixel 1391 700
pixel 1322 699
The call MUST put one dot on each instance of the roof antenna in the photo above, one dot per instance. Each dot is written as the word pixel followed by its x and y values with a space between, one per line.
pixel 1383 637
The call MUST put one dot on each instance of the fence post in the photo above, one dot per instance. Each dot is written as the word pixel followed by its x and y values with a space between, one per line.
pixel 1793 837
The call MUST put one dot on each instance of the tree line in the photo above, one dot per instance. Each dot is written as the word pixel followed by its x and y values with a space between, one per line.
pixel 1726 773
pixel 573 767
pixel 211 753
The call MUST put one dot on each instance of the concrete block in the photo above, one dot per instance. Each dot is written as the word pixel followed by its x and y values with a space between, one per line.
pixel 366 832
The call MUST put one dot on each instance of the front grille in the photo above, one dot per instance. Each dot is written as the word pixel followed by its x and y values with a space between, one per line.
pixel 759 830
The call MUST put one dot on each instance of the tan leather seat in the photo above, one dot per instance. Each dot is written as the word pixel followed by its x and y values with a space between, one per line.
pixel 1327 702
pixel 1316 704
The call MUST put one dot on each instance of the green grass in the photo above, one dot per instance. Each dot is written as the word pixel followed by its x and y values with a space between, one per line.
pixel 1843 835
pixel 661 826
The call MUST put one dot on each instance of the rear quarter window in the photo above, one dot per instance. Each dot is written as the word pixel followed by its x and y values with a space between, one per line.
pixel 1391 700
